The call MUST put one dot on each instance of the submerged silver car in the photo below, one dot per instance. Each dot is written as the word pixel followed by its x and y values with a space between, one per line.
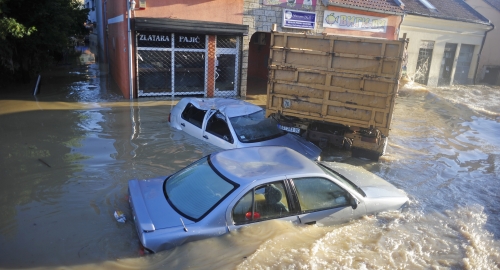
pixel 240 187
pixel 232 123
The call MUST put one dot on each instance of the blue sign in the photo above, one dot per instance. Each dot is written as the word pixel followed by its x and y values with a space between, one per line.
pixel 299 19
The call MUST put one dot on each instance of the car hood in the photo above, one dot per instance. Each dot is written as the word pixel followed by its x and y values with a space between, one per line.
pixel 371 184
pixel 149 194
pixel 295 142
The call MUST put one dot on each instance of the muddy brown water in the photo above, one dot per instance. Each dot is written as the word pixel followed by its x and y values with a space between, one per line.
pixel 66 157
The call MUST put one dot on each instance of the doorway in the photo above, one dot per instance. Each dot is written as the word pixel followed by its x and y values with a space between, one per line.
pixel 463 65
pixel 447 64
pixel 258 56
pixel 424 62
pixel 491 75
pixel 227 65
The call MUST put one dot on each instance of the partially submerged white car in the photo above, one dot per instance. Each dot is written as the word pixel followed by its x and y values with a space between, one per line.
pixel 232 123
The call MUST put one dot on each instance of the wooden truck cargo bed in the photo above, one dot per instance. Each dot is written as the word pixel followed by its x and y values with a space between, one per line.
pixel 338 79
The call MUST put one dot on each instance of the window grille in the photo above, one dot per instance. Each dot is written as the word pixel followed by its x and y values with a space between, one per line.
pixel 176 64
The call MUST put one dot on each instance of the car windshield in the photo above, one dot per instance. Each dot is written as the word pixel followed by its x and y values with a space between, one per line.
pixel 341 178
pixel 255 127
pixel 197 189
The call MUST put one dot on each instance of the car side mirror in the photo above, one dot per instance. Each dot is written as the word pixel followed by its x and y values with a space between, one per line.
pixel 353 202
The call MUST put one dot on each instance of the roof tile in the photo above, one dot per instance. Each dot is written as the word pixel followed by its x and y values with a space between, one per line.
pixel 456 10
pixel 382 6
pixel 494 3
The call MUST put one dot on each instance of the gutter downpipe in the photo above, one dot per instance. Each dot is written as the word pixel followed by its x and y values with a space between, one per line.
pixel 105 31
pixel 481 51
pixel 401 23
pixel 130 6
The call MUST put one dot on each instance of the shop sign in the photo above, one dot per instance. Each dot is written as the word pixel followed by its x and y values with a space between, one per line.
pixel 299 19
pixel 349 21
pixel 189 41
pixel 154 39
pixel 164 40
pixel 295 4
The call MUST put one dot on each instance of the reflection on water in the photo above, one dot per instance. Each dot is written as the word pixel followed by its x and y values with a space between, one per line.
pixel 66 158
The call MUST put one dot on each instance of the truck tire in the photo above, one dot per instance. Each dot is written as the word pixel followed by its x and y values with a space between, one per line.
pixel 370 154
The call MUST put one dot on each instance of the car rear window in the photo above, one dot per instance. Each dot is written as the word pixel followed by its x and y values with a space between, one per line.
pixel 341 178
pixel 195 190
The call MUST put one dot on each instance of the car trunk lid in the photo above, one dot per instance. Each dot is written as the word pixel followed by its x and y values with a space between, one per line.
pixel 372 185
pixel 151 209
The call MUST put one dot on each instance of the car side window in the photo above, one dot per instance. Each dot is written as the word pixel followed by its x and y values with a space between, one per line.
pixel 319 193
pixel 262 203
pixel 193 115
pixel 217 126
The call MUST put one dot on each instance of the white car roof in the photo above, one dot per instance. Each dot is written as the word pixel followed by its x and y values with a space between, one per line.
pixel 227 106
pixel 254 163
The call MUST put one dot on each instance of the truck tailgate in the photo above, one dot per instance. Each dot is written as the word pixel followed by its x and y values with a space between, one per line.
pixel 346 80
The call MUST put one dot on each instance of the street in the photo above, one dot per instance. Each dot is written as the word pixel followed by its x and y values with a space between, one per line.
pixel 67 155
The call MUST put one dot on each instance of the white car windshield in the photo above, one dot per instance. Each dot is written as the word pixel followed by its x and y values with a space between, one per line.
pixel 255 127
pixel 197 189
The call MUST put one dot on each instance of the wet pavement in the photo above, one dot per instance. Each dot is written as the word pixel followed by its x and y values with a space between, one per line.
pixel 67 154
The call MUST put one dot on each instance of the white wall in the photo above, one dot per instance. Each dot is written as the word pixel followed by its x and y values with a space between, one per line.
pixel 419 28
pixel 490 55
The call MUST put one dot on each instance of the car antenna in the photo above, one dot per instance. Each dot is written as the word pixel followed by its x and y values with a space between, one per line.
pixel 185 229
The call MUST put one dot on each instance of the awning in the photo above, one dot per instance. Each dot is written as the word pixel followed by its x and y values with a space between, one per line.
pixel 187 26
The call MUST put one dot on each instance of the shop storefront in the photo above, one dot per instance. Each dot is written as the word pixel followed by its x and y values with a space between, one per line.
pixel 194 58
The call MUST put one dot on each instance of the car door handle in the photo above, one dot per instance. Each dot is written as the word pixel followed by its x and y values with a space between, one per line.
pixel 311 223
pixel 205 136
pixel 182 124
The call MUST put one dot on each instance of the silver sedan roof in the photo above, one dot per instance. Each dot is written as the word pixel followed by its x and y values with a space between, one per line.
pixel 254 163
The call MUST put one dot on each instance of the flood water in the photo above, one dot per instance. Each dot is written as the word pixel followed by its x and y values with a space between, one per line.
pixel 66 157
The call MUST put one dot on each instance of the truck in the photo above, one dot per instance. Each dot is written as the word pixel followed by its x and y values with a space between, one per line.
pixel 335 90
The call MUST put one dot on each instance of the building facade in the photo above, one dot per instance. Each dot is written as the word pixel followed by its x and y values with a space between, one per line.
pixel 218 48
pixel 446 38
pixel 174 49
pixel 488 70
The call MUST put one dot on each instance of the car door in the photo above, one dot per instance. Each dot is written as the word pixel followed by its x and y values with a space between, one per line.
pixel 192 119
pixel 262 203
pixel 217 132
pixel 322 201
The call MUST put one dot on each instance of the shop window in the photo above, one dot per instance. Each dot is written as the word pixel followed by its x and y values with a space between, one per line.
pixel 189 71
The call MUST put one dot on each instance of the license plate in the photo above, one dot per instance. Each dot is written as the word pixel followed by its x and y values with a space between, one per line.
pixel 290 129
